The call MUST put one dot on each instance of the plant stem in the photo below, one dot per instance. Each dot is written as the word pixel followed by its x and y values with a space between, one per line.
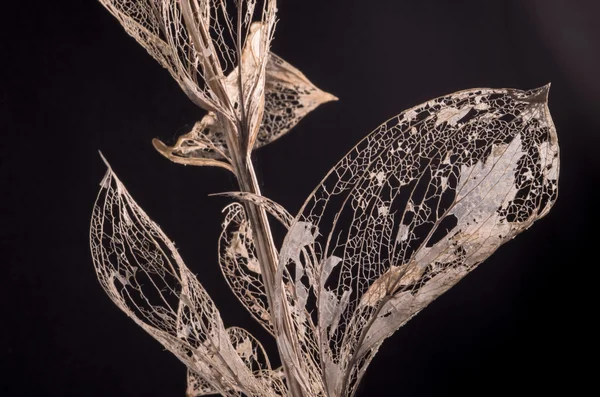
pixel 265 247
pixel 268 254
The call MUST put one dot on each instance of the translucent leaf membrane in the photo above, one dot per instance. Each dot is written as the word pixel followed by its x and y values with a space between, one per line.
pixel 143 274
pixel 289 96
pixel 408 212
pixel 197 42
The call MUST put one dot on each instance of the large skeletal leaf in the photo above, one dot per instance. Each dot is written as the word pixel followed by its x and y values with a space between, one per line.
pixel 413 208
pixel 143 274
pixel 289 96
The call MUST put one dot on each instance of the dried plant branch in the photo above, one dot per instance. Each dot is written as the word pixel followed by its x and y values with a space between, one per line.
pixel 406 214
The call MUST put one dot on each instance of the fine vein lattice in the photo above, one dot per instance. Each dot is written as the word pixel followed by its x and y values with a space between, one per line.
pixel 412 209
pixel 142 273
pixel 405 215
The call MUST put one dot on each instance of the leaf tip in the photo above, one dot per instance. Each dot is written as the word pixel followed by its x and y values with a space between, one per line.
pixel 544 91
pixel 327 97
pixel 104 160
pixel 535 96
pixel 160 146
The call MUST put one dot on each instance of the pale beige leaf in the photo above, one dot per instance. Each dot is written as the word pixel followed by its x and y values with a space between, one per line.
pixel 413 208
pixel 250 350
pixel 187 149
pixel 274 209
pixel 240 266
pixel 289 96
pixel 143 274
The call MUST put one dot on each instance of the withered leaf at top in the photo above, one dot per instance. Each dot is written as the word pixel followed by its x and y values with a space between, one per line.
pixel 289 96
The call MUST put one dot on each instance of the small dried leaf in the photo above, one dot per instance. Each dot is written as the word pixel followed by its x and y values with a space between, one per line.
pixel 289 96
pixel 300 235
pixel 187 150
pixel 239 264
pixel 274 209
pixel 249 350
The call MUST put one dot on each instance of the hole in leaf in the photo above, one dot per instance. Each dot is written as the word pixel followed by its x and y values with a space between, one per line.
pixel 445 226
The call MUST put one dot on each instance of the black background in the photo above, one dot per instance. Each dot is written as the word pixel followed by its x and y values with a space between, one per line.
pixel 72 82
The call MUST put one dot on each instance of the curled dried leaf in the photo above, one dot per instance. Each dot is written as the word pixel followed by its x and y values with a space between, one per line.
pixel 188 150
pixel 240 266
pixel 274 209
pixel 289 96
